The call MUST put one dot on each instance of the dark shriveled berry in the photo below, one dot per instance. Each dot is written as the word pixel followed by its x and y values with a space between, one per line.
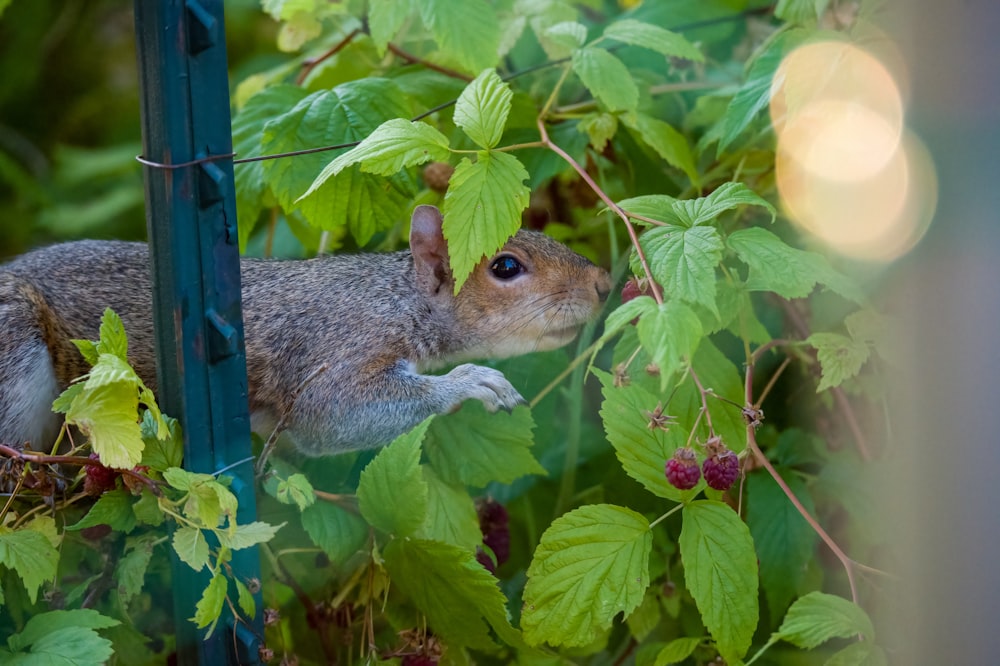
pixel 98 478
pixel 682 469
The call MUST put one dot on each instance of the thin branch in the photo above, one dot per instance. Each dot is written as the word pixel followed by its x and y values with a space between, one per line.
pixel 704 402
pixel 43 459
pixel 414 60
pixel 309 64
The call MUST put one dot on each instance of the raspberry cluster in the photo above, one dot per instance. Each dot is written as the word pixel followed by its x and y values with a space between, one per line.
pixel 721 466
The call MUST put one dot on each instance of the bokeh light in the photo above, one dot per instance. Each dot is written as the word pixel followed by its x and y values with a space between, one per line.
pixel 847 170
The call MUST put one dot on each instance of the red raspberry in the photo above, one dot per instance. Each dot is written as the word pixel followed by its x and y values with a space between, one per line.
pixel 682 469
pixel 722 465
pixel 419 660
pixel 99 478
pixel 493 523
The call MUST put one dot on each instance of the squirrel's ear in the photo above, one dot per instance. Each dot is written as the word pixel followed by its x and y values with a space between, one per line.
pixel 429 250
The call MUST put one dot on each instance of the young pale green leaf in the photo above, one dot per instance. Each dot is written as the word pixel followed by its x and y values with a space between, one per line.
pixel 245 600
pixel 296 490
pixel 473 447
pixel 683 261
pixel 591 564
pixel 210 502
pixel 776 266
pixel 130 571
pixel 108 415
pixel 209 607
pixel 181 479
pixel 112 338
pixel 482 209
pixel 678 650
pixel 191 547
pixel 720 570
pixel 784 540
pixel 607 78
pixel 451 514
pixel 642 451
pixel 600 128
pixel 339 532
pixel 670 335
pixel 385 18
pixel 840 357
pixel 392 493
pixel 561 39
pixel 654 38
pixel 460 598
pixel 113 508
pixel 30 555
pixel 467 31
pixel 250 534
pixel 111 369
pixel 44 624
pixel 482 108
pixel 756 92
pixel 667 142
pixel 818 617
pixel 88 350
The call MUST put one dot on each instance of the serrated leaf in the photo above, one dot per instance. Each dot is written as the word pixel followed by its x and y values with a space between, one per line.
pixel 482 108
pixel 44 624
pixel 607 78
pixel 249 534
pixel 190 545
pixel 783 539
pixel 683 261
pixel 818 617
pixel 755 94
pixel 654 38
pixel 110 369
pixel 642 451
pixel 482 209
pixel 392 493
pixel 599 128
pixel 591 564
pixel 451 514
pixel 623 315
pixel 561 39
pixel 147 509
pixel 88 349
pixel 840 358
pixel 667 142
pixel 30 555
pixel 64 401
pixel 161 453
pixel 670 334
pixel 776 266
pixel 130 571
pixel 113 508
pixel 460 599
pixel 336 530
pixel 245 600
pixel 209 607
pixel 296 490
pixel 367 203
pixel 466 30
pixel 473 447
pixel 112 339
pixel 720 570
pixel 677 650
pixel 385 18
pixel 71 645
pixel 108 415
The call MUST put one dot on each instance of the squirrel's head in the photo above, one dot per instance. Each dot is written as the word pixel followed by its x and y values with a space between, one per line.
pixel 532 295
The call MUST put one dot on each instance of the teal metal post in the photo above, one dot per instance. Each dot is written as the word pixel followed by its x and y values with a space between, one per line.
pixel 191 220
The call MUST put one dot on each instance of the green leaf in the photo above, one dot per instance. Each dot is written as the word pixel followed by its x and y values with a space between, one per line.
pixel 818 617
pixel 31 555
pixel 840 358
pixel 607 78
pixel 250 534
pixel 678 650
pixel 160 454
pixel 667 142
pixel 45 624
pixel 394 145
pixel 726 197
pixel 591 564
pixel 467 31
pixel 110 369
pixel 623 315
pixel 864 653
pixel 130 572
pixel 561 39
pixel 720 570
pixel 336 530
pixel 108 415
pixel 88 350
pixel 460 599
pixel 147 509
pixel 296 490
pixel 366 202
pixel 208 500
pixel 800 11
pixel 209 607
pixel 190 545
pixel 482 209
pixel 600 128
pixel 112 338
pixel 385 18
pixel 642 451
pixel 784 540
pixel 392 493
pixel 451 514
pixel 77 646
pixel 683 261
pixel 482 108
pixel 245 599
pixel 473 447
pixel 657 206
pixel 776 266
pixel 670 334
pixel 646 617
pixel 113 508
pixel 755 94
pixel 653 37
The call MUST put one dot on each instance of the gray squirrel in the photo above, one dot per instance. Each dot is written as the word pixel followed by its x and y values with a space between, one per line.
pixel 377 321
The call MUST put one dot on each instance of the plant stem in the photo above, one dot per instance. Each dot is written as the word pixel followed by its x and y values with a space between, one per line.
pixel 666 515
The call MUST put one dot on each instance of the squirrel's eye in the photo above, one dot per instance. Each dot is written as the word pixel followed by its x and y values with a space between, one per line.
pixel 506 267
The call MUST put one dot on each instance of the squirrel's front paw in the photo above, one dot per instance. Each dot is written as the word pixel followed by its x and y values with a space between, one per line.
pixel 486 385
